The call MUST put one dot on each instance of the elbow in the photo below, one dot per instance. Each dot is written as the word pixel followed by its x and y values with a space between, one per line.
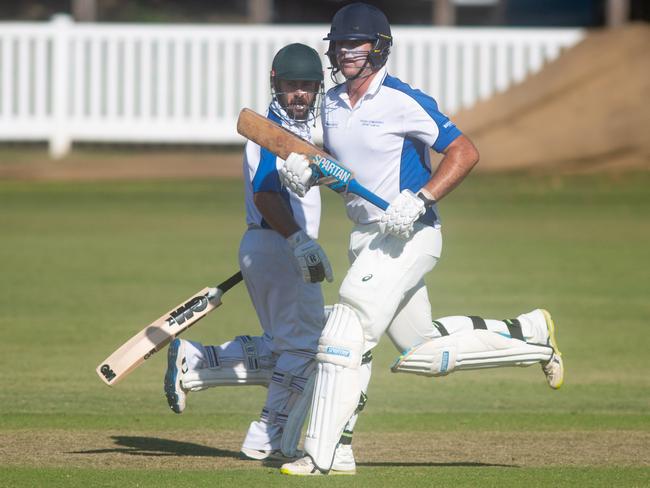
pixel 474 156
pixel 471 155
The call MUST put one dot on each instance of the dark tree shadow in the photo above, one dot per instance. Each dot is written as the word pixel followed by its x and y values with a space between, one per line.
pixel 152 446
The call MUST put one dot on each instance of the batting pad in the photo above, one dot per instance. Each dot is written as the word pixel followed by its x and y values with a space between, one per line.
pixel 475 349
pixel 244 361
pixel 338 384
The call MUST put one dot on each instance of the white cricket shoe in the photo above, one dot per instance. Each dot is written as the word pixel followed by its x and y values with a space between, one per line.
pixel 176 366
pixel 554 367
pixel 343 460
pixel 302 467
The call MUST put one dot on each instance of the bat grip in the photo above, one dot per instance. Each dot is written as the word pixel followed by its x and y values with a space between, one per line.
pixel 230 282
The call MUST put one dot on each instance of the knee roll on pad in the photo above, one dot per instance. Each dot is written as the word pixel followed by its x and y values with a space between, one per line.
pixel 341 342
pixel 476 349
pixel 243 361
pixel 338 384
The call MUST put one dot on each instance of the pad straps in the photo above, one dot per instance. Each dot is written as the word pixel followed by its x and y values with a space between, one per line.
pixel 514 327
pixel 250 352
pixel 478 322
pixel 212 355
pixel 441 328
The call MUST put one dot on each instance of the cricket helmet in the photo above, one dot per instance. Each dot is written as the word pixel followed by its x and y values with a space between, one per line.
pixel 359 22
pixel 297 62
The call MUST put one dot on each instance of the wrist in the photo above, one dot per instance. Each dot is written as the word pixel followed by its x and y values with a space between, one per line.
pixel 426 196
pixel 297 238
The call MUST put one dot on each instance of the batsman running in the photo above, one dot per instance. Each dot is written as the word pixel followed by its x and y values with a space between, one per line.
pixel 382 129
pixel 282 266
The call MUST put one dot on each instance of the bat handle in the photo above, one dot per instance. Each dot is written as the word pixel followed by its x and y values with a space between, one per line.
pixel 230 282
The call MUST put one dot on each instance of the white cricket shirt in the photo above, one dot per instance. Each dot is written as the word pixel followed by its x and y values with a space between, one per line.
pixel 261 174
pixel 384 140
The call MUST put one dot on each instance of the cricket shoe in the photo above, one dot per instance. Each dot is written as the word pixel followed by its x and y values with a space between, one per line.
pixel 301 467
pixel 554 367
pixel 176 366
pixel 343 464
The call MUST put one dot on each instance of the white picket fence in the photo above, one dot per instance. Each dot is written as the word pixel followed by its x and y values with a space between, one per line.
pixel 63 82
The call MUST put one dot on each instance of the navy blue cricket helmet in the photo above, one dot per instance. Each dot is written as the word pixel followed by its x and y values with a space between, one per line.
pixel 358 22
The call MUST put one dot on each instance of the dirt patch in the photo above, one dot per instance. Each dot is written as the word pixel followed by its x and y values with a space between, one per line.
pixel 205 450
pixel 587 111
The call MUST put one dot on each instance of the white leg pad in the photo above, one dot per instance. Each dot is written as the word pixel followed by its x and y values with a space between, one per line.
pixel 338 384
pixel 475 349
pixel 244 361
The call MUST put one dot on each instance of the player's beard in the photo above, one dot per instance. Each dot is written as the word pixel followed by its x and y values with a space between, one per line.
pixel 298 108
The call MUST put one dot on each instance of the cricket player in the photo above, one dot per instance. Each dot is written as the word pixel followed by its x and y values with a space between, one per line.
pixel 382 129
pixel 282 265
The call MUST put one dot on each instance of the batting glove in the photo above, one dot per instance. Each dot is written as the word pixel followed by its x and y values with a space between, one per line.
pixel 401 214
pixel 311 258
pixel 296 174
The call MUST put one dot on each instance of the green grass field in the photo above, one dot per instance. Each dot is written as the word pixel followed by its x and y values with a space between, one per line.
pixel 86 265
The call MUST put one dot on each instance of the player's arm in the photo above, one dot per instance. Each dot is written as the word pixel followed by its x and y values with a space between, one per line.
pixel 311 258
pixel 459 158
pixel 433 128
pixel 276 213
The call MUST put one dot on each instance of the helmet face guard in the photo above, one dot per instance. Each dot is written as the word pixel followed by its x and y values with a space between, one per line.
pixel 377 56
pixel 280 97
pixel 360 22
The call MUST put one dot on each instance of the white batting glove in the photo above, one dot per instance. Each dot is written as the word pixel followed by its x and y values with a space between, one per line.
pixel 311 258
pixel 296 174
pixel 401 214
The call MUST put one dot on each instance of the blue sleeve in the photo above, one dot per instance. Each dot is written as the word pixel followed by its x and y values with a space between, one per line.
pixel 266 177
pixel 424 121
pixel 447 130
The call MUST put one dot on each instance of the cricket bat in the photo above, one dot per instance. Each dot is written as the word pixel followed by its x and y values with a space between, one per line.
pixel 283 142
pixel 162 331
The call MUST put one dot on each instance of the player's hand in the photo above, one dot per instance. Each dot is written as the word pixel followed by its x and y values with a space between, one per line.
pixel 296 174
pixel 311 258
pixel 401 214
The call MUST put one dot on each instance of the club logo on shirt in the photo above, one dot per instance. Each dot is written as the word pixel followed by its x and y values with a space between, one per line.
pixel 371 123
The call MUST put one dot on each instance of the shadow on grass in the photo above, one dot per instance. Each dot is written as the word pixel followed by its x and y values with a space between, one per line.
pixel 406 464
pixel 152 446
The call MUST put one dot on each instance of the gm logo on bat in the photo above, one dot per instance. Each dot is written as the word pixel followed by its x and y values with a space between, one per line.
pixel 332 169
pixel 185 312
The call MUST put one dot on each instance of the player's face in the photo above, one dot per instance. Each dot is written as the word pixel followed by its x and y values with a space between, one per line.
pixel 351 57
pixel 297 97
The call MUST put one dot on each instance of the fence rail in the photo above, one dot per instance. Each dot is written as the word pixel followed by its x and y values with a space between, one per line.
pixel 63 82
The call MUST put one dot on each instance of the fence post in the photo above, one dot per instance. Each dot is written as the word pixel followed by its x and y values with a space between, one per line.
pixel 60 137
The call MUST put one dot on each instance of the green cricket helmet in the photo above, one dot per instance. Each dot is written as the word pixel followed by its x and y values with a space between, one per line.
pixel 297 62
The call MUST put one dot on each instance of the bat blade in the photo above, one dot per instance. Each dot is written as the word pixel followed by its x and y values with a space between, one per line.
pixel 283 142
pixel 161 332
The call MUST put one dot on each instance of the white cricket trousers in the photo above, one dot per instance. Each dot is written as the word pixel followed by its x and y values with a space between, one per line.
pixel 385 283
pixel 290 311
